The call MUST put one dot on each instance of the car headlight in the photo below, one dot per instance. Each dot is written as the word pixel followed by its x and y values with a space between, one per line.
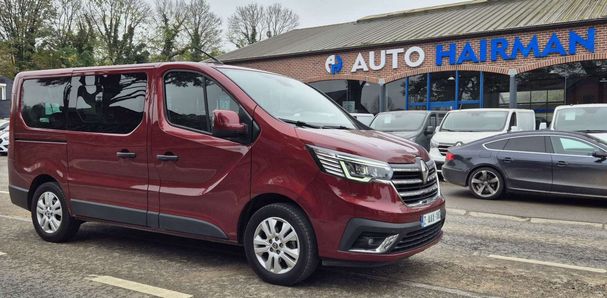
pixel 350 166
pixel 433 144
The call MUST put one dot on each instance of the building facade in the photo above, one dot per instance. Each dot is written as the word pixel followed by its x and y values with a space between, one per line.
pixel 6 87
pixel 535 54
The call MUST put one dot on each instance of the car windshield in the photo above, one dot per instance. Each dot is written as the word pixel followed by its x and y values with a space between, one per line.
pixel 585 119
pixel 405 121
pixel 289 100
pixel 475 121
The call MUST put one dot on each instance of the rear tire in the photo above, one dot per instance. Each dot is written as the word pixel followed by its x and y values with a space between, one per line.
pixel 50 214
pixel 280 244
pixel 486 183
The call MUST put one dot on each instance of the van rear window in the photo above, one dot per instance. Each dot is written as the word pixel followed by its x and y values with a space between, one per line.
pixel 43 102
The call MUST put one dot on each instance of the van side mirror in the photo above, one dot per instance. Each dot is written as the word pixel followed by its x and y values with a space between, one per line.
pixel 429 130
pixel 543 125
pixel 226 124
pixel 600 155
pixel 515 128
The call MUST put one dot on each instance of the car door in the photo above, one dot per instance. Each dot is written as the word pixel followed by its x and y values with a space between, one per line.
pixel 526 163
pixel 203 180
pixel 107 146
pixel 575 170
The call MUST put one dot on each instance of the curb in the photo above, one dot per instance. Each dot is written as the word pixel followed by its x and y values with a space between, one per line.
pixel 534 220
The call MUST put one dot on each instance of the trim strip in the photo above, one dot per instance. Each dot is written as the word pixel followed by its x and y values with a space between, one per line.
pixel 558 193
pixel 109 212
pixel 24 140
pixel 190 226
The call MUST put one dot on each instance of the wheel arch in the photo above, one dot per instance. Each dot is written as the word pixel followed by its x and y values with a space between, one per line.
pixel 39 180
pixel 257 203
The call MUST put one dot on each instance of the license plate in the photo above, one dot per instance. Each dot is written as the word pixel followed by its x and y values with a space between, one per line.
pixel 430 218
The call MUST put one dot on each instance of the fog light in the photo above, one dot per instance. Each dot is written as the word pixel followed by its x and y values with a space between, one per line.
pixel 374 243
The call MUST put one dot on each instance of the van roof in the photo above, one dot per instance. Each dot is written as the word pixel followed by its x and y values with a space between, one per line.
pixel 491 110
pixel 586 105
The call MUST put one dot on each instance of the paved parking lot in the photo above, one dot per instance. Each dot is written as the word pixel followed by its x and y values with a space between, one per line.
pixel 519 246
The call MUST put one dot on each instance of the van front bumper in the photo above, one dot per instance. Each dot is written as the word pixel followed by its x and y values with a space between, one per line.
pixel 438 159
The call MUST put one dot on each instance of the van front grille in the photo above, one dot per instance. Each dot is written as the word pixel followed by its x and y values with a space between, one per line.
pixel 414 185
pixel 421 237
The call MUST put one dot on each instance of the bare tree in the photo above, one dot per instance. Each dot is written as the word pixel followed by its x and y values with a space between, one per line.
pixel 21 23
pixel 118 22
pixel 279 19
pixel 170 16
pixel 246 25
pixel 203 28
pixel 67 15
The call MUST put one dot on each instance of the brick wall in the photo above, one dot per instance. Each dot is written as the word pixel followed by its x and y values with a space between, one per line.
pixel 312 68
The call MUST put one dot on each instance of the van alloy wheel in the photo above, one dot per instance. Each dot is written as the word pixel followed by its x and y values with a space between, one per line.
pixel 485 183
pixel 49 212
pixel 276 245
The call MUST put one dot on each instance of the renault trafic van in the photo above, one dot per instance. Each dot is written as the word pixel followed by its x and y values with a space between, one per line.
pixel 460 127
pixel 587 118
pixel 219 153
pixel 416 126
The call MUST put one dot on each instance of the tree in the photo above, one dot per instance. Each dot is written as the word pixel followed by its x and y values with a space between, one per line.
pixel 246 25
pixel 279 19
pixel 170 16
pixel 203 30
pixel 120 25
pixel 22 22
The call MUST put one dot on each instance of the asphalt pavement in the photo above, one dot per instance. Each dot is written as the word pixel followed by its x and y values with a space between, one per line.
pixel 490 249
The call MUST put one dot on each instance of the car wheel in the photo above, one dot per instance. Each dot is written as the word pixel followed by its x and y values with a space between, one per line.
pixel 50 215
pixel 280 244
pixel 486 183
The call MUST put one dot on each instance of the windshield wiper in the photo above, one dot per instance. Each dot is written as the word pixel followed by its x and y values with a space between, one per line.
pixel 334 127
pixel 299 123
pixel 592 130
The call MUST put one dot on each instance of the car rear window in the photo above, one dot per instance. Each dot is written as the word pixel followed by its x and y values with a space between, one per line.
pixel 497 145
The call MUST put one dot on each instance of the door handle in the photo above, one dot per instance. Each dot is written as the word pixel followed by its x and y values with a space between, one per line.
pixel 507 159
pixel 125 154
pixel 168 156
pixel 561 164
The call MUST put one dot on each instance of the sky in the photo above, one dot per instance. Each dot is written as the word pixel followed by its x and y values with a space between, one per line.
pixel 314 13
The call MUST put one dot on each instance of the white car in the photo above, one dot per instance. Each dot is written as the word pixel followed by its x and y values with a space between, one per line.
pixel 363 118
pixel 588 118
pixel 460 127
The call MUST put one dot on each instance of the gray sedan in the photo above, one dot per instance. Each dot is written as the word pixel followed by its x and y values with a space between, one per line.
pixel 545 162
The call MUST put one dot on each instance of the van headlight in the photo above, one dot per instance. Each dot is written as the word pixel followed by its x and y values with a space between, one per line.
pixel 433 144
pixel 350 166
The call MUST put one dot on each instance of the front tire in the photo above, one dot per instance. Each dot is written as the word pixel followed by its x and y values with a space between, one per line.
pixel 50 215
pixel 486 183
pixel 280 244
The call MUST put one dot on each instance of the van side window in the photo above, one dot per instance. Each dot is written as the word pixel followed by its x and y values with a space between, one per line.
pixel 512 121
pixel 43 102
pixel 185 100
pixel 218 99
pixel 107 103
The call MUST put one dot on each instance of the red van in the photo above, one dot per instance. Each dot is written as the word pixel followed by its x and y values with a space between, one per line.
pixel 219 153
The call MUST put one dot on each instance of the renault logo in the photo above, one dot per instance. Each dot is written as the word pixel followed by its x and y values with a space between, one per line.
pixel 424 169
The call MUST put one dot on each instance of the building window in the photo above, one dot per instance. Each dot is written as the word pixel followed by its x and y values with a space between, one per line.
pixel 3 92
pixel 496 90
pixel 396 94
pixel 354 96
pixel 443 86
pixel 418 88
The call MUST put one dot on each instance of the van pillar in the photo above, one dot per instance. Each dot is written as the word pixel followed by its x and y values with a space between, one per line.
pixel 513 88
pixel 383 104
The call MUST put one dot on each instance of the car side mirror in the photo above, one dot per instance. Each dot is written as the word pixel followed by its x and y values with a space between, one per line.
pixel 600 155
pixel 429 130
pixel 515 128
pixel 226 124
pixel 543 125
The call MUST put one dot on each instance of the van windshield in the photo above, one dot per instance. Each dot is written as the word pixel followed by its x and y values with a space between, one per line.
pixel 405 121
pixel 475 121
pixel 584 119
pixel 289 100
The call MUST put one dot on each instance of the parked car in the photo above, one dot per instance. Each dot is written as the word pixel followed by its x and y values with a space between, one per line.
pixel 588 118
pixel 417 126
pixel 545 162
pixel 363 118
pixel 461 127
pixel 4 136
pixel 221 153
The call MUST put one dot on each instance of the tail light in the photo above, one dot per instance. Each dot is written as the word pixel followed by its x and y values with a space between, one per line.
pixel 450 156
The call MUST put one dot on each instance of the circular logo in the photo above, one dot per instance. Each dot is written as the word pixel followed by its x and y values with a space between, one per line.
pixel 334 64
pixel 458 144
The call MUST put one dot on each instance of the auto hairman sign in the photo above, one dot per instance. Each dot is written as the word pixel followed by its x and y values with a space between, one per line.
pixel 482 51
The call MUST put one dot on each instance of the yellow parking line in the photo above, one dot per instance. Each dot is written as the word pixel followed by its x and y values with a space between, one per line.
pixel 138 287
pixel 552 264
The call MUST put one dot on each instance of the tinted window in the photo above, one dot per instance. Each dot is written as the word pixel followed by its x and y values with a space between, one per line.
pixel 107 103
pixel 218 99
pixel 526 144
pixel 43 103
pixel 185 100
pixel 497 145
pixel 562 145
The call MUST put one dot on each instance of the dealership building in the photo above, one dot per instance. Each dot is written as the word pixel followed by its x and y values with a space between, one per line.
pixel 534 54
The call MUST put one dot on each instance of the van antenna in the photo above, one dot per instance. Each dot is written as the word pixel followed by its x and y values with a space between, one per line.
pixel 209 55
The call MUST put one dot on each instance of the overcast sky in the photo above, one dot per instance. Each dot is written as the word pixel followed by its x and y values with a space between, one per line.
pixel 314 13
